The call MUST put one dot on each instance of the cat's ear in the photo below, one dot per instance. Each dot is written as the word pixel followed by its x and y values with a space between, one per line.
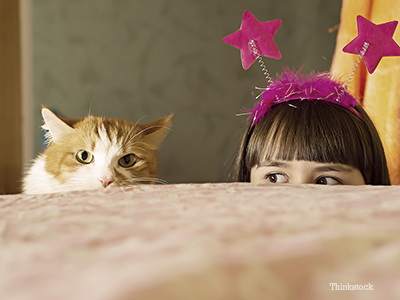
pixel 55 126
pixel 156 131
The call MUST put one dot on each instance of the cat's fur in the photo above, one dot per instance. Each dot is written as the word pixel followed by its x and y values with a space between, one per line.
pixel 108 141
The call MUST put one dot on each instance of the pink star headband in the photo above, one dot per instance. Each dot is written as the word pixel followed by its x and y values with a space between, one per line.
pixel 255 39
pixel 294 85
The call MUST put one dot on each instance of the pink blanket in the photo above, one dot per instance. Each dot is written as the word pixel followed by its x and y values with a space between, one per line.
pixel 202 241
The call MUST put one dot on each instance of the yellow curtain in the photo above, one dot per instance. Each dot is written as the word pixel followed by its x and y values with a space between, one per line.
pixel 379 93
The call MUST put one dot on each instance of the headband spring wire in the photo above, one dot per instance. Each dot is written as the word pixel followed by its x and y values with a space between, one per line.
pixel 257 53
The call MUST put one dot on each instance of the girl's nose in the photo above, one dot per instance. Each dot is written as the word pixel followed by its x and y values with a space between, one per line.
pixel 301 179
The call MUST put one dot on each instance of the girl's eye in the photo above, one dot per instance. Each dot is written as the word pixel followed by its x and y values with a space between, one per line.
pixel 127 161
pixel 84 157
pixel 276 178
pixel 328 181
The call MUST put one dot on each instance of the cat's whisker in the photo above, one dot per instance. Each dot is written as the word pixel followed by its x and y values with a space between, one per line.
pixel 161 181
pixel 90 106
pixel 146 179
pixel 147 128
pixel 129 133
pixel 143 130
pixel 133 145
pixel 144 150
pixel 140 119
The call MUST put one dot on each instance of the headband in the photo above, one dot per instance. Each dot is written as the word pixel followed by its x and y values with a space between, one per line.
pixel 292 85
pixel 255 39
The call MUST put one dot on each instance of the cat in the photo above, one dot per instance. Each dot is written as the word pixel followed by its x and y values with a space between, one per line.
pixel 94 152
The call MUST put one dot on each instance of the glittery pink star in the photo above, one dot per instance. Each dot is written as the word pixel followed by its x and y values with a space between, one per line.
pixel 262 33
pixel 380 39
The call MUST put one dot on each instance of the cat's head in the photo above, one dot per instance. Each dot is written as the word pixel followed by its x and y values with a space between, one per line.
pixel 95 152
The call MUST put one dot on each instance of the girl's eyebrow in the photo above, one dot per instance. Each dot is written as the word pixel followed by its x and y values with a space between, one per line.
pixel 272 163
pixel 334 168
pixel 325 168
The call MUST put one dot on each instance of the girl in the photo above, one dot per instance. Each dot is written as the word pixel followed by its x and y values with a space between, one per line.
pixel 309 129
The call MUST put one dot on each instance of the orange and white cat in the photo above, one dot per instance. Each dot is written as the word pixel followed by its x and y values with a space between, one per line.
pixel 94 152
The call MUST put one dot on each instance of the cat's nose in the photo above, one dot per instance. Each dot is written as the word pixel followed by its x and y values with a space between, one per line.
pixel 106 182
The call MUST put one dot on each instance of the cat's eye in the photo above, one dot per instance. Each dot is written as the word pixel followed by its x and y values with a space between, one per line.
pixel 127 161
pixel 84 157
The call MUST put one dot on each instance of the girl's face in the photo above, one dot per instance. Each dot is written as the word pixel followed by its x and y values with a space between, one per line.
pixel 303 172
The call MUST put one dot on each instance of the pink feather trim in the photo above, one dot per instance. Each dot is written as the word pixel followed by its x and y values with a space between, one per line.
pixel 291 85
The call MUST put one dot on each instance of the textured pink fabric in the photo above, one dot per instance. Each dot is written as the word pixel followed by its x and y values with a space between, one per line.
pixel 262 33
pixel 201 241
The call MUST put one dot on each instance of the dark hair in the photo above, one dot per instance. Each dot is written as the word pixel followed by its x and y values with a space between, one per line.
pixel 314 130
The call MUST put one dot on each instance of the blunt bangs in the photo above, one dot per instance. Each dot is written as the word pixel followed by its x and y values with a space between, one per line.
pixel 312 130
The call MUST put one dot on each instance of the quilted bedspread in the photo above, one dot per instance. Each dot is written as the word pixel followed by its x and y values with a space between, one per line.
pixel 202 241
